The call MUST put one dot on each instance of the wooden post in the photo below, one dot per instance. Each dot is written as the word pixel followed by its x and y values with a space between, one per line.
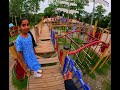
pixel 13 51
pixel 15 56
pixel 56 41
pixel 36 32
pixel 65 52
pixel 95 27
pixel 102 31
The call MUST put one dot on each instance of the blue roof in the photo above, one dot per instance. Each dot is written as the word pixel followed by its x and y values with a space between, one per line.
pixel 11 25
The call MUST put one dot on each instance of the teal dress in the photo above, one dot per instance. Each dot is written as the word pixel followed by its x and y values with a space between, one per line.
pixel 25 45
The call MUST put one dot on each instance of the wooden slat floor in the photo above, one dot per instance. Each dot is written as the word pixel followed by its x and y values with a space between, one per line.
pixel 52 78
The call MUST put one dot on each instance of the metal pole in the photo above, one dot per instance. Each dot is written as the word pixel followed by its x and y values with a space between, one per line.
pixel 92 17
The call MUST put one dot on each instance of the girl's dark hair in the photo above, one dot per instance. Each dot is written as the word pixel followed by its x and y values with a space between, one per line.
pixel 20 21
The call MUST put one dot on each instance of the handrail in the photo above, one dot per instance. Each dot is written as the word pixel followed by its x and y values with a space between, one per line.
pixel 76 31
pixel 81 48
pixel 69 65
pixel 53 37
pixel 68 33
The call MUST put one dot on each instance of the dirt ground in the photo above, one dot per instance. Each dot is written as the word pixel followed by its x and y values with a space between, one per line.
pixel 11 63
pixel 98 83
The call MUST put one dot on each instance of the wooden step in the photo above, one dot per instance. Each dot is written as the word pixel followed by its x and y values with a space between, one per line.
pixel 51 79
pixel 44 48
pixel 45 34
pixel 48 60
pixel 44 42
pixel 44 37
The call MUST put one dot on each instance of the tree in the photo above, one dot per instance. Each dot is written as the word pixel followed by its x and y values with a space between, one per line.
pixel 99 11
pixel 49 11
pixel 23 7
pixel 79 7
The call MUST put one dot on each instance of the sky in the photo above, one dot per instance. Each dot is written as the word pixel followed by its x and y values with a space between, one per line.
pixel 88 8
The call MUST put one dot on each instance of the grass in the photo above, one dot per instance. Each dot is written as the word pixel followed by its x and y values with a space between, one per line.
pixel 20 85
pixel 106 85
pixel 103 70
pixel 13 38
pixel 77 40
pixel 92 75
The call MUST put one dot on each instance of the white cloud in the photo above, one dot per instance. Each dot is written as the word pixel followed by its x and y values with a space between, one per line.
pixel 43 5
pixel 89 8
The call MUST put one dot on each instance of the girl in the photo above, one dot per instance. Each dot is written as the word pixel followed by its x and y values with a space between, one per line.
pixel 25 48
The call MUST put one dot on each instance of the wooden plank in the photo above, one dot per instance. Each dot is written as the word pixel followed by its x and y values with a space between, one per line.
pixel 41 80
pixel 44 37
pixel 45 42
pixel 45 34
pixel 54 70
pixel 46 81
pixel 44 48
pixel 50 67
pixel 48 60
pixel 51 79
pixel 46 84
pixel 57 87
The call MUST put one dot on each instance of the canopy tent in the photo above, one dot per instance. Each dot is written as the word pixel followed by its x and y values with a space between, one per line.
pixel 11 25
pixel 67 3
pixel 66 10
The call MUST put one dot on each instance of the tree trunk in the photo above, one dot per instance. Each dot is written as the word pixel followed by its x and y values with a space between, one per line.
pixel 12 18
pixel 20 16
pixel 15 21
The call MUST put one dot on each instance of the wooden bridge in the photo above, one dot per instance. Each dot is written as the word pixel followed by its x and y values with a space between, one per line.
pixel 52 78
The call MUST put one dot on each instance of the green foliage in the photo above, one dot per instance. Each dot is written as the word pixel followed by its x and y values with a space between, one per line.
pixel 92 75
pixel 19 84
pixel 103 70
pixel 49 11
pixel 13 38
pixel 107 85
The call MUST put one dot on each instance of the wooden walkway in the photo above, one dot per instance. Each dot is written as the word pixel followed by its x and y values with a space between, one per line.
pixel 52 78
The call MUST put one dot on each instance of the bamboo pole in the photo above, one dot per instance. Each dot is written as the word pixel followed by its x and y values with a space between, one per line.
pixel 95 27
pixel 56 41
pixel 65 52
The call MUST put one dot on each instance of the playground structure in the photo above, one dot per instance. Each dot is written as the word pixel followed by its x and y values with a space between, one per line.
pixel 100 51
pixel 13 30
pixel 60 49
